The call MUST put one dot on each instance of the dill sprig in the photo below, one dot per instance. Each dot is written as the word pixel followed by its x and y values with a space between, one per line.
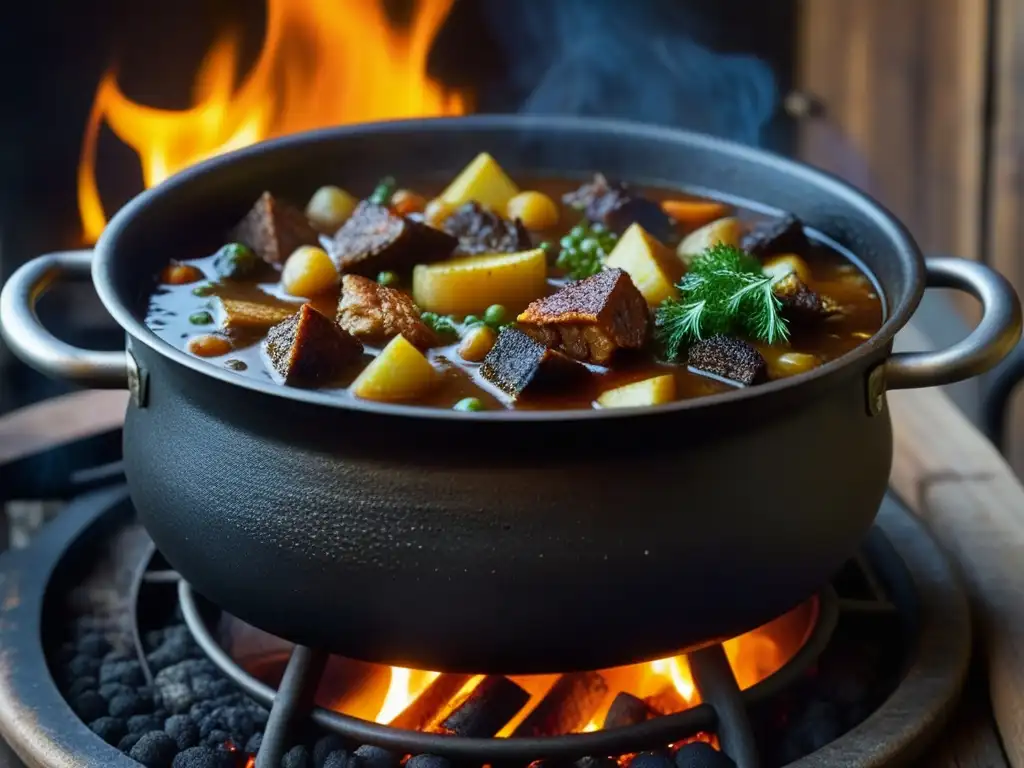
pixel 725 291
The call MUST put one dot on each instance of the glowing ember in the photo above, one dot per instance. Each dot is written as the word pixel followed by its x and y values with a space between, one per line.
pixel 406 685
pixel 322 63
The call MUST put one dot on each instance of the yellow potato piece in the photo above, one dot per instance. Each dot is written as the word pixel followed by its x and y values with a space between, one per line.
pixel 780 266
pixel 484 181
pixel 308 271
pixel 652 266
pixel 471 284
pixel 660 389
pixel 400 372
pixel 727 231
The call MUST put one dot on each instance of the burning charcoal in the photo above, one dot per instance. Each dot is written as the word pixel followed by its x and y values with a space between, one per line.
pixel 657 759
pixel 799 302
pixel 110 729
pixel 596 762
pixel 296 757
pixel 203 757
pixel 252 746
pixel 144 723
pixel 590 319
pixel 81 685
pixel 486 709
pixel 183 730
pixel 785 235
pixel 177 686
pixel 89 706
pixel 216 738
pixel 480 230
pixel 338 759
pixel 273 229
pixel 567 707
pixel 627 709
pixel 128 704
pixel 83 666
pixel 429 705
pixel 666 701
pixel 700 754
pixel 154 750
pixel 427 761
pixel 728 358
pixel 130 740
pixel 376 313
pixel 325 746
pixel 616 206
pixel 125 672
pixel 518 361
pixel 93 644
pixel 375 239
pixel 370 756
pixel 309 349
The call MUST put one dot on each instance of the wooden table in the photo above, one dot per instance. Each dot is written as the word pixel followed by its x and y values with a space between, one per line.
pixel 944 470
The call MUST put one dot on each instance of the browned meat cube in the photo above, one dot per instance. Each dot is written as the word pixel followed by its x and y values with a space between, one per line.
pixel 309 349
pixel 616 206
pixel 728 358
pixel 376 313
pixel 480 230
pixel 273 229
pixel 375 239
pixel 517 362
pixel 590 319
pixel 801 304
pixel 785 235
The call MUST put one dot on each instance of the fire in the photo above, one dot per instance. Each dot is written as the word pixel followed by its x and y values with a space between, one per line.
pixel 322 63
pixel 406 685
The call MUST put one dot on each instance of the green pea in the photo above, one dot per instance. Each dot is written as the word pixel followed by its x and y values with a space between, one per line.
pixel 494 314
pixel 202 290
pixel 200 318
pixel 468 404
pixel 471 320
pixel 236 260
pixel 387 278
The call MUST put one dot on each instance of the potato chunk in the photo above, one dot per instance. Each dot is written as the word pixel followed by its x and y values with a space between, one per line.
pixel 660 389
pixel 727 231
pixel 400 372
pixel 462 286
pixel 482 181
pixel 651 265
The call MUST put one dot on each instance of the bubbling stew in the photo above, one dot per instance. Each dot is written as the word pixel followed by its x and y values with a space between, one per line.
pixel 490 296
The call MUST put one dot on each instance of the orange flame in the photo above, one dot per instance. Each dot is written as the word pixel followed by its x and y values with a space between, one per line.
pixel 406 685
pixel 322 63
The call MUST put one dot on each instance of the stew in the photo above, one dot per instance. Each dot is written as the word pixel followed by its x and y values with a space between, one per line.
pixel 483 296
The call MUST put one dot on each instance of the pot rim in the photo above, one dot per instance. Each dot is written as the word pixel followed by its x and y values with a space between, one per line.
pixel 905 250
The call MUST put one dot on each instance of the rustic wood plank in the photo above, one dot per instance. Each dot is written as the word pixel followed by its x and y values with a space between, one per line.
pixel 903 86
pixel 60 420
pixel 955 480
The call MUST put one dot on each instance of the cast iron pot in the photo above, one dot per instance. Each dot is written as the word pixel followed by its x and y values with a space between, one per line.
pixel 510 541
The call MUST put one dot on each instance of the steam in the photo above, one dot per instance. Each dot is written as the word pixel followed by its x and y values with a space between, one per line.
pixel 640 60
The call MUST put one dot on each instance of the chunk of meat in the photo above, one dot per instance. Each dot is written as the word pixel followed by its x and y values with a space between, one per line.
pixel 799 303
pixel 590 319
pixel 784 235
pixel 518 362
pixel 375 239
pixel 728 358
pixel 309 349
pixel 377 313
pixel 242 314
pixel 273 229
pixel 617 206
pixel 481 230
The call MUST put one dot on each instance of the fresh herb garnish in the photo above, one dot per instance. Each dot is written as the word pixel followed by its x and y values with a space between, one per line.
pixel 443 325
pixel 382 193
pixel 584 250
pixel 724 292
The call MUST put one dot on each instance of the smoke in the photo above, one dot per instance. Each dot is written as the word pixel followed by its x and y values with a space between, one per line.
pixel 639 60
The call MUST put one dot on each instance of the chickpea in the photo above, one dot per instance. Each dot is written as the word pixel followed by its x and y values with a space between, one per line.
pixel 780 266
pixel 209 346
pixel 792 363
pixel 180 274
pixel 329 208
pixel 477 343
pixel 436 211
pixel 535 209
pixel 308 271
pixel 405 201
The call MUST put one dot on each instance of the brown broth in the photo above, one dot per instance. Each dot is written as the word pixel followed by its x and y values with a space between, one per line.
pixel 832 275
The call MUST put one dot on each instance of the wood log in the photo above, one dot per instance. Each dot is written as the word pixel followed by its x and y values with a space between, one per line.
pixel 567 707
pixel 429 705
pixel 486 710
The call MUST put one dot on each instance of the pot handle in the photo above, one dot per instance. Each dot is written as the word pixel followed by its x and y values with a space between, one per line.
pixel 984 347
pixel 34 344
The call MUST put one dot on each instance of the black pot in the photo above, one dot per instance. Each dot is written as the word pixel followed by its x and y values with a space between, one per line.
pixel 503 541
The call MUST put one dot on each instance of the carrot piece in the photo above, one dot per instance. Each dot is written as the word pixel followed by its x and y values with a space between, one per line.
pixel 180 274
pixel 695 213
